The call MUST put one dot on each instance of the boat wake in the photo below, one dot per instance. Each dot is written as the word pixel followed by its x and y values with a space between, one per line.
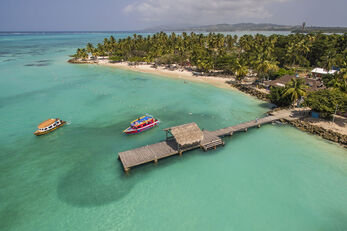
pixel 68 122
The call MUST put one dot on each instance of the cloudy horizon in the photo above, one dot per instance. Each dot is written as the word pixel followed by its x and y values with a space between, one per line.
pixel 88 15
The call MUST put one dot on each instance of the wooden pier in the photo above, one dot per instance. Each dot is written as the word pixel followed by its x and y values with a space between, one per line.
pixel 189 136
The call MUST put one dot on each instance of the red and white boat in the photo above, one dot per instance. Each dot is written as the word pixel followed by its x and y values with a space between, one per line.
pixel 141 124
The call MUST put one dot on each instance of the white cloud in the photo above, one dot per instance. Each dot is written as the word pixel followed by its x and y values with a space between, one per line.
pixel 200 11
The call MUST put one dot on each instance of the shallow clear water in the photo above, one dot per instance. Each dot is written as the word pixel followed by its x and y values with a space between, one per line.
pixel 273 178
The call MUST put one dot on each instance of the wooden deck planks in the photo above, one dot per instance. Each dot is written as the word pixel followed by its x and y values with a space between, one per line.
pixel 246 125
pixel 209 137
pixel 146 154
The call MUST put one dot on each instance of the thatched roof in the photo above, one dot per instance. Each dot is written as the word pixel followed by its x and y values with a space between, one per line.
pixel 282 81
pixel 313 84
pixel 187 134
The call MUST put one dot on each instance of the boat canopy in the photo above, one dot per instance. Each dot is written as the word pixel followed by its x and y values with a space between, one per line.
pixel 141 120
pixel 46 123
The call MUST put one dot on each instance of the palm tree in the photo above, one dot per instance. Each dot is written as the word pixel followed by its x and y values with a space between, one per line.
pixel 264 68
pixel 328 60
pixel 240 70
pixel 338 81
pixel 113 44
pixel 100 50
pixel 78 53
pixel 89 48
pixel 296 89
pixel 112 40
pixel 292 53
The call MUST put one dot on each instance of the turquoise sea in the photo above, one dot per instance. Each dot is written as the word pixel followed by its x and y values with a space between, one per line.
pixel 272 178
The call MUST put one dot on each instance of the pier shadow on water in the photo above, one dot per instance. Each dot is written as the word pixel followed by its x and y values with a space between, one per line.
pixel 84 185
pixel 97 178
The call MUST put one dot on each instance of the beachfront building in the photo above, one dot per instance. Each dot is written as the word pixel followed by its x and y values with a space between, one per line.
pixel 102 57
pixel 319 72
pixel 313 84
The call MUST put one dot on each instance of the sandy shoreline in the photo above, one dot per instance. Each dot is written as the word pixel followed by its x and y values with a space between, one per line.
pixel 220 82
pixel 177 74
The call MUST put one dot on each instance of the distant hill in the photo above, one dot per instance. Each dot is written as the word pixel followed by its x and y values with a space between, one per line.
pixel 243 26
pixel 246 27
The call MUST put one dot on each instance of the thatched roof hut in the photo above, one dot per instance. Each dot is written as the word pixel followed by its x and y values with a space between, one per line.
pixel 313 84
pixel 186 134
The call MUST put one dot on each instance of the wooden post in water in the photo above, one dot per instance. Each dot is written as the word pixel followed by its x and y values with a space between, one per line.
pixel 126 170
pixel 245 129
pixel 258 125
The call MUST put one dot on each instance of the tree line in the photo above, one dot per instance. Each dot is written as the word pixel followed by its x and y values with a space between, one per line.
pixel 269 56
pixel 262 54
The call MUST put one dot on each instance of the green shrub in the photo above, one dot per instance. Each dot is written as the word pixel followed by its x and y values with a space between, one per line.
pixel 276 97
pixel 281 72
pixel 136 59
pixel 326 100
pixel 116 58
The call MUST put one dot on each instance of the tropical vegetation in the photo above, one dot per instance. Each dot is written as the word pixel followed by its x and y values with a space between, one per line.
pixel 327 101
pixel 296 89
pixel 269 56
pixel 276 97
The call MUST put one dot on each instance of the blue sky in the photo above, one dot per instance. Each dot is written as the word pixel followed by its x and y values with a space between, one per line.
pixel 99 15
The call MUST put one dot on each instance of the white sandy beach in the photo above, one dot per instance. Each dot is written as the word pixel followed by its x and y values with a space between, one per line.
pixel 181 74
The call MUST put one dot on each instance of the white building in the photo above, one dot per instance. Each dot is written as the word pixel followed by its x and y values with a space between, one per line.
pixel 318 72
